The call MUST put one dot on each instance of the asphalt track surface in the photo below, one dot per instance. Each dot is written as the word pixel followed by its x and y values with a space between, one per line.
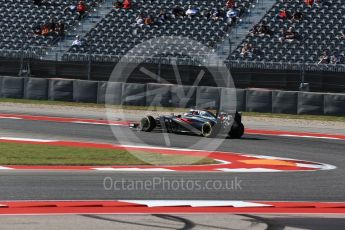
pixel 163 221
pixel 277 186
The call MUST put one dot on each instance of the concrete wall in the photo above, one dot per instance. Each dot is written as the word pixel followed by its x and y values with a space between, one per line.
pixel 117 93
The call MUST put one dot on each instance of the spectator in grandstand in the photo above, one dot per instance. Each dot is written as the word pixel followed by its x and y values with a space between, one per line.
pixel 162 17
pixel 49 28
pixel 77 41
pixel 118 5
pixel 217 14
pixel 148 20
pixel 309 2
pixel 289 35
pixel 247 50
pixel 45 30
pixel 71 8
pixel 81 9
pixel 297 16
pixel 324 59
pixel 127 4
pixel 283 14
pixel 230 4
pixel 335 58
pixel 191 11
pixel 51 25
pixel 260 30
pixel 177 11
pixel 254 30
pixel 140 19
pixel 232 15
pixel 60 29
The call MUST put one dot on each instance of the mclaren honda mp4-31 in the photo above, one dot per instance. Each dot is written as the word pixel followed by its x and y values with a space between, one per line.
pixel 199 122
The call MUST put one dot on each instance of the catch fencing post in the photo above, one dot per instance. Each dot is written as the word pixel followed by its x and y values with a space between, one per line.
pixel 89 65
pixel 159 70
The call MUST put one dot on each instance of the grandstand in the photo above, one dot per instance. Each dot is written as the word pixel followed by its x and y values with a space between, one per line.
pixel 20 19
pixel 118 32
pixel 107 33
pixel 318 30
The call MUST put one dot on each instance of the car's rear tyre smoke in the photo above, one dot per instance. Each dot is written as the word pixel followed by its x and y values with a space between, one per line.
pixel 147 124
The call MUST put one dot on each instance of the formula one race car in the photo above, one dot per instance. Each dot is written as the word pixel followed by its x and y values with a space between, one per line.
pixel 200 122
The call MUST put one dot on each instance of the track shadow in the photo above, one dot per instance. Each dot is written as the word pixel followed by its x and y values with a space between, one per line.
pixel 245 137
pixel 248 138
pixel 316 223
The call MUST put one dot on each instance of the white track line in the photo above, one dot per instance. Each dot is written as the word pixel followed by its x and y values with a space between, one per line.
pixel 134 169
pixel 248 170
pixel 315 166
pixel 14 118
pixel 26 139
pixel 96 123
pixel 196 203
pixel 306 136
pixel 4 168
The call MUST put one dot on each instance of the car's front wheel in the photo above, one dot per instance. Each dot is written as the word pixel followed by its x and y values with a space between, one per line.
pixel 208 130
pixel 147 124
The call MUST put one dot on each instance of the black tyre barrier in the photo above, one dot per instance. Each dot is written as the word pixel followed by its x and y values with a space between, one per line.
pixel 334 104
pixel 228 99
pixel 310 103
pixel 158 95
pixel 117 93
pixel 284 102
pixel 134 94
pixel 1 77
pixel 12 87
pixel 110 93
pixel 85 91
pixel 241 99
pixel 259 101
pixel 183 96
pixel 36 88
pixel 207 97
pixel 61 90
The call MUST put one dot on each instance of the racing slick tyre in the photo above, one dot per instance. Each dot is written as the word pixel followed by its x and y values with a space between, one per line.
pixel 237 130
pixel 207 130
pixel 147 124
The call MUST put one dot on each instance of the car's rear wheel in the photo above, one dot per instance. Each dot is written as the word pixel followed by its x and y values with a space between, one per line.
pixel 237 130
pixel 147 124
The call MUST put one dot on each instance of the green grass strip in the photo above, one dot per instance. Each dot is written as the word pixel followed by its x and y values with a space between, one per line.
pixel 32 154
